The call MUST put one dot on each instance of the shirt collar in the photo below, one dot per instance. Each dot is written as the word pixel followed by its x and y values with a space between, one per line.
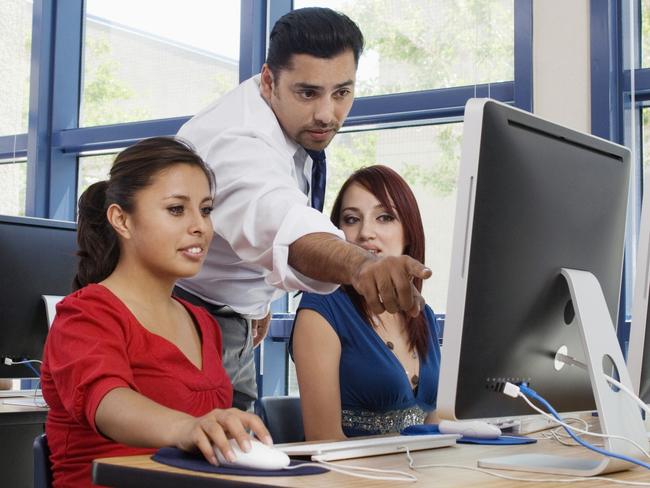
pixel 292 147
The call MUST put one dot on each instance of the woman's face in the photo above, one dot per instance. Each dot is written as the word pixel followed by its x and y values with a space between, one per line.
pixel 367 223
pixel 170 227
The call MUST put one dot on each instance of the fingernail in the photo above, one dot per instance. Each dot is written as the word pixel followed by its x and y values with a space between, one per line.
pixel 247 445
pixel 230 456
pixel 213 461
pixel 268 440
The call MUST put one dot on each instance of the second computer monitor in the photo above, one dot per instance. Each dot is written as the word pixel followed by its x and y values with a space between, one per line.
pixel 638 353
pixel 37 257
pixel 533 197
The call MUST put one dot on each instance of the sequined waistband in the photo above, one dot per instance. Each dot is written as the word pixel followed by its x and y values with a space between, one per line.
pixel 382 422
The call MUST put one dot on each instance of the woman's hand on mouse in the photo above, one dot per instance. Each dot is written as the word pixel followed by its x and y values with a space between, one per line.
pixel 215 428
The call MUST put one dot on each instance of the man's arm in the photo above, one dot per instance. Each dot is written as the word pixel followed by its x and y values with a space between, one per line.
pixel 384 282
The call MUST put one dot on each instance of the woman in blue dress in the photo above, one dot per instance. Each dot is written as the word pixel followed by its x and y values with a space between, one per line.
pixel 360 373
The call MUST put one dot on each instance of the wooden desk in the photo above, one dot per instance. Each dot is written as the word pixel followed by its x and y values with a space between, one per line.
pixel 141 471
pixel 18 428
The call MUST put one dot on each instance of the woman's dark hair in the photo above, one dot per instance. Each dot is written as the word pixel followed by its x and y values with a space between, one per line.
pixel 133 169
pixel 317 31
pixel 393 193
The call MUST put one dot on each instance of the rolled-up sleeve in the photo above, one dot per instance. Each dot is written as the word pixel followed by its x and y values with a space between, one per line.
pixel 259 209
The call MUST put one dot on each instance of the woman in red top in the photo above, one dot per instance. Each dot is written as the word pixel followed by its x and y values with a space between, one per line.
pixel 127 368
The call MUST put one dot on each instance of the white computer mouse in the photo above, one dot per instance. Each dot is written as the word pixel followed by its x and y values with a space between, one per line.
pixel 471 428
pixel 260 456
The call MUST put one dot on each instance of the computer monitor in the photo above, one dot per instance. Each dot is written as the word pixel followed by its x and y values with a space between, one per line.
pixel 536 271
pixel 37 257
pixel 533 197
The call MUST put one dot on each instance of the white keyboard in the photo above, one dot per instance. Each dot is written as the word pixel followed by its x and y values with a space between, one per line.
pixel 355 448
pixel 33 401
pixel 18 393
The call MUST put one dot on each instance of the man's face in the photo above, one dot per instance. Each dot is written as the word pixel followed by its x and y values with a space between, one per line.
pixel 312 97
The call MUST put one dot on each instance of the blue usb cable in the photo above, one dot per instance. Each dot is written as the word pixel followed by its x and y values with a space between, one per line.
pixel 529 392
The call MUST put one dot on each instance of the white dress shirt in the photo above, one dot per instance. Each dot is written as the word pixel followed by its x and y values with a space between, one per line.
pixel 261 203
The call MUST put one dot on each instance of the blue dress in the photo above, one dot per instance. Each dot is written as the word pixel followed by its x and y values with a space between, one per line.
pixel 376 395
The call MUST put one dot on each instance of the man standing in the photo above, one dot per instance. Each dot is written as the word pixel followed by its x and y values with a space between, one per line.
pixel 265 141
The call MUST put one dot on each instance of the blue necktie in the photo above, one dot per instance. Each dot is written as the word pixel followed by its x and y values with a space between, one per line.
pixel 318 177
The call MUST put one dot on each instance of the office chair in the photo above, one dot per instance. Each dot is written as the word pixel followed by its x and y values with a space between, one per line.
pixel 283 417
pixel 42 469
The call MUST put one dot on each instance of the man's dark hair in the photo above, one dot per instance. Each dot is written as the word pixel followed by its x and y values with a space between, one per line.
pixel 317 31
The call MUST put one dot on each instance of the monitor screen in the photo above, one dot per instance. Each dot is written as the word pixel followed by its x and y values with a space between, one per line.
pixel 533 197
pixel 37 257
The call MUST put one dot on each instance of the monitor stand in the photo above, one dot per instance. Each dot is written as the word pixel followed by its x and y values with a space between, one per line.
pixel 618 413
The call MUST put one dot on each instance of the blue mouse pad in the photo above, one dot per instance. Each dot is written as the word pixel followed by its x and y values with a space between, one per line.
pixel 422 429
pixel 501 440
pixel 196 462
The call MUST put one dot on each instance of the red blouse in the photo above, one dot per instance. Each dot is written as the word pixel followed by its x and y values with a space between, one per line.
pixel 96 344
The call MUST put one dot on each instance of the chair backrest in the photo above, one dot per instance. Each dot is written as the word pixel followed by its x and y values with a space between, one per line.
pixel 283 418
pixel 50 307
pixel 42 469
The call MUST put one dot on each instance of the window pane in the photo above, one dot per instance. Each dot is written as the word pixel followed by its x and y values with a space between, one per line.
pixel 645 33
pixel 15 54
pixel 93 169
pixel 645 134
pixel 154 59
pixel 427 158
pixel 13 181
pixel 292 378
pixel 427 44
pixel 632 241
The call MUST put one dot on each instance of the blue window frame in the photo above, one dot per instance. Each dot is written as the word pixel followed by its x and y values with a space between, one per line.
pixel 615 55
pixel 429 107
pixel 54 139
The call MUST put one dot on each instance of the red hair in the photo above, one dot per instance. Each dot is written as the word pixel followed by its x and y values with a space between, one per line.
pixel 392 192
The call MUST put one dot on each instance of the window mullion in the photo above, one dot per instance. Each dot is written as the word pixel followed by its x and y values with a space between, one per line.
pixel 54 106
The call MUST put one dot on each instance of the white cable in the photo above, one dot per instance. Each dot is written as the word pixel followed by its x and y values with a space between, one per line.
pixel 343 469
pixel 558 434
pixel 604 436
pixel 629 392
pixel 11 362
pixel 574 362
pixel 577 479
pixel 562 438
pixel 334 467
pixel 488 472
pixel 560 431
